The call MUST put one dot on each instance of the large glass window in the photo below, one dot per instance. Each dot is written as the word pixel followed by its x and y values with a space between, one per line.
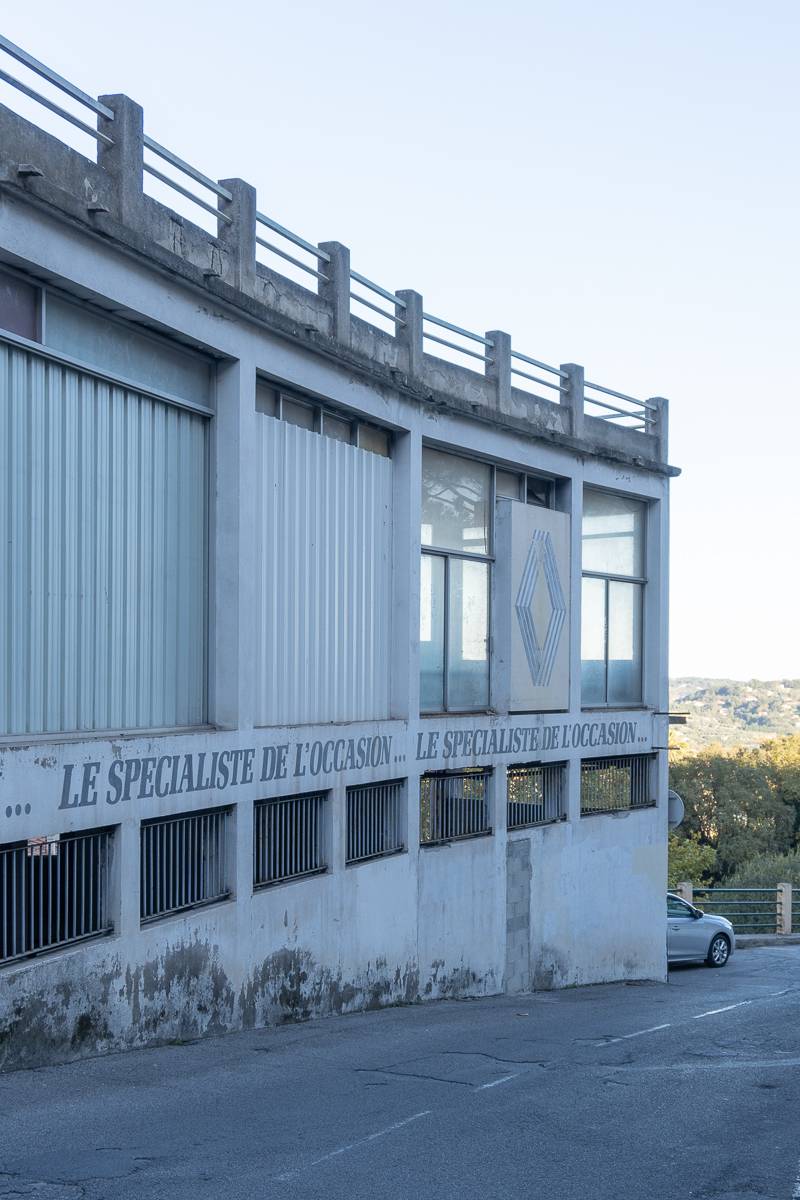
pixel 454 591
pixel 612 599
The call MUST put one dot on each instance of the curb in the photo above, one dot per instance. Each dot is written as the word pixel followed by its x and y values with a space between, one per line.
pixel 747 941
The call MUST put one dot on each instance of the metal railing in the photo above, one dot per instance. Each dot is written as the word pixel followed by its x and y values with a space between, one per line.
pixel 536 794
pixel 483 355
pixel 377 290
pixel 319 256
pixel 750 910
pixel 183 862
pixel 616 784
pixel 289 838
pixel 374 821
pixel 54 891
pixel 636 414
pixel 453 805
pixel 191 172
pixel 560 375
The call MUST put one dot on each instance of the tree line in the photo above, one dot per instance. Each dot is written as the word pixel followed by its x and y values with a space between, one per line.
pixel 742 822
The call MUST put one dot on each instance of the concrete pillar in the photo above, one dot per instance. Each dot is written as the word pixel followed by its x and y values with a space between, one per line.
pixel 335 289
pixel 409 335
pixel 685 891
pixel 784 908
pixel 498 367
pixel 123 161
pixel 658 423
pixel 572 397
pixel 406 505
pixel 125 879
pixel 238 235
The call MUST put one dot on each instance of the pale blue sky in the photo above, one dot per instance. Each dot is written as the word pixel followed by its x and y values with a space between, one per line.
pixel 615 184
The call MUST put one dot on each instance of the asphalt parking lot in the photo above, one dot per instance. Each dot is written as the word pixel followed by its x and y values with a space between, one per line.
pixel 685 1089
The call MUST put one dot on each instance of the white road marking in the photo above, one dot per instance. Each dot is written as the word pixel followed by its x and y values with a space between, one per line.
pixel 352 1145
pixel 639 1033
pixel 494 1082
pixel 712 1012
pixel 796 1191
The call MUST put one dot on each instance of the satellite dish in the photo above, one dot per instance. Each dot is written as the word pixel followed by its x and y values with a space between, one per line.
pixel 675 809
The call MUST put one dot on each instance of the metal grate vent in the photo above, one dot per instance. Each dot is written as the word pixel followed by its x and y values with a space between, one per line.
pixel 536 794
pixel 616 784
pixel 183 862
pixel 453 805
pixel 374 821
pixel 53 891
pixel 289 838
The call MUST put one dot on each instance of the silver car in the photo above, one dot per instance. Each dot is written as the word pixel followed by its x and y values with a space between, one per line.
pixel 695 936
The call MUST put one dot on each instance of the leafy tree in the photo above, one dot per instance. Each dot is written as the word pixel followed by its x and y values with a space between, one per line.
pixel 767 870
pixel 689 859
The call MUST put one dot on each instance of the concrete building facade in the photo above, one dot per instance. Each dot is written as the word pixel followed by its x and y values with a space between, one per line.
pixel 333 669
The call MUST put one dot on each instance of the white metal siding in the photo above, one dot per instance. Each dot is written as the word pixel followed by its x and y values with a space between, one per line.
pixel 102 553
pixel 324 554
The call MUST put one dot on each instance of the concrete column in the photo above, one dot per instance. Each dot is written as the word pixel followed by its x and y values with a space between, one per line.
pixel 409 335
pixel 784 908
pixel 572 786
pixel 335 290
pixel 572 397
pixel 658 423
pixel 685 890
pixel 238 236
pixel 125 879
pixel 498 367
pixel 406 505
pixel 123 161
pixel 575 510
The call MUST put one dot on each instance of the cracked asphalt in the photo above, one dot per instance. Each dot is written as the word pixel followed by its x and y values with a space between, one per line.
pixel 685 1089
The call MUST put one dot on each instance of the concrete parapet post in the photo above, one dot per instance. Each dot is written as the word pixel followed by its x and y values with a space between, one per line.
pixel 123 161
pixel 238 235
pixel 685 890
pixel 572 396
pixel 335 289
pixel 658 423
pixel 409 335
pixel 498 367
pixel 784 908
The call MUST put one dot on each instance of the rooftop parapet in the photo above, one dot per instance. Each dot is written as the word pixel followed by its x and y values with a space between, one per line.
pixel 304 291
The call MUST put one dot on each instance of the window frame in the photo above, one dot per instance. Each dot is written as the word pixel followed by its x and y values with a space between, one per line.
pixel 607 578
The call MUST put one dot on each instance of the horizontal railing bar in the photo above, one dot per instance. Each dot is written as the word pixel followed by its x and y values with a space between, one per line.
pixel 203 903
pixel 57 80
pixel 534 362
pixel 178 187
pixel 457 329
pixel 359 858
pixel 376 287
pixel 461 349
pixel 731 891
pixel 389 316
pixel 192 172
pixel 265 883
pixel 544 382
pixel 55 108
pixel 596 387
pixel 292 237
pixel 290 258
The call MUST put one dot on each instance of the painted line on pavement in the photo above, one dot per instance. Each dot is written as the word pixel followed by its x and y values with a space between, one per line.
pixel 712 1012
pixel 371 1137
pixel 639 1033
pixel 796 1189
pixel 494 1082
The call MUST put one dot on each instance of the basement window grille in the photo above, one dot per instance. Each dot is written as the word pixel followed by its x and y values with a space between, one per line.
pixel 374 821
pixel 536 794
pixel 452 805
pixel 54 891
pixel 289 838
pixel 184 862
pixel 616 784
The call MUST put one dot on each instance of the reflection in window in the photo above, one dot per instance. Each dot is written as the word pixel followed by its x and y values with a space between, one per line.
pixel 612 599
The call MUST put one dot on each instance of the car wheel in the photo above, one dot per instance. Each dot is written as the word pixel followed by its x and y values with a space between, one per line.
pixel 719 951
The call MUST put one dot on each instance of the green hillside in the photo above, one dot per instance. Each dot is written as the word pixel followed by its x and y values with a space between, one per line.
pixel 728 712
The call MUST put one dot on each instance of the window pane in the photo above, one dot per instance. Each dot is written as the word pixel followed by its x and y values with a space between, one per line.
pixel 19 307
pixel 624 643
pixel 593 642
pixel 376 440
pixel 538 491
pixel 297 414
pixel 468 629
pixel 265 400
pixel 506 483
pixel 613 534
pixel 335 427
pixel 431 633
pixel 455 503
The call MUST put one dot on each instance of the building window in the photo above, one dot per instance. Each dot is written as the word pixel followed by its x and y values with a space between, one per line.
pixel 374 821
pixel 54 891
pixel 289 838
pixel 317 419
pixel 454 583
pixel 453 805
pixel 616 784
pixel 530 489
pixel 612 599
pixel 184 862
pixel 537 794
pixel 20 305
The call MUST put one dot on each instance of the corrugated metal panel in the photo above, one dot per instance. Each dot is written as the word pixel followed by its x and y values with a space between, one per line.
pixel 102 554
pixel 324 554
